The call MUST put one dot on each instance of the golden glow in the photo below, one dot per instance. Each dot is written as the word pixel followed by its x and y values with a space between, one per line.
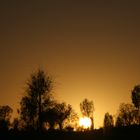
pixel 85 58
pixel 85 122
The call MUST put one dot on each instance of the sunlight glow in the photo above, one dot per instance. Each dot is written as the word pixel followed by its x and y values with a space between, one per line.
pixel 85 122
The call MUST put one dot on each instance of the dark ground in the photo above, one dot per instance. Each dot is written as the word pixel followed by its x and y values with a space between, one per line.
pixel 123 133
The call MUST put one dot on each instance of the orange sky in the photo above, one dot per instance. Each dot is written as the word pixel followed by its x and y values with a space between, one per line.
pixel 91 49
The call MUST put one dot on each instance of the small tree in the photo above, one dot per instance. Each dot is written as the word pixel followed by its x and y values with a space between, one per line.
pixel 57 114
pixel 108 121
pixel 5 115
pixel 28 111
pixel 72 121
pixel 87 109
pixel 136 101
pixel 136 96
pixel 63 112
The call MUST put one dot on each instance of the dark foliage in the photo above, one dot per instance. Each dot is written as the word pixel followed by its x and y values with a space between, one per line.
pixel 5 115
pixel 40 114
pixel 108 120
pixel 32 104
pixel 87 109
pixel 58 115
pixel 126 115
pixel 136 96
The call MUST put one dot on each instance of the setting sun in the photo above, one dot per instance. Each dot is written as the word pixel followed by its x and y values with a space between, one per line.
pixel 85 122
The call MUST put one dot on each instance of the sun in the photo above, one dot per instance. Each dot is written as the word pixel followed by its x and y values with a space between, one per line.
pixel 85 122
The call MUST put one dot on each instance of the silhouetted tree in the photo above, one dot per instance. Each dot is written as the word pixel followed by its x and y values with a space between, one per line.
pixel 72 120
pixel 126 115
pixel 37 92
pixel 136 101
pixel 59 113
pixel 28 111
pixel 15 124
pixel 5 115
pixel 63 112
pixel 108 121
pixel 136 96
pixel 50 116
pixel 87 109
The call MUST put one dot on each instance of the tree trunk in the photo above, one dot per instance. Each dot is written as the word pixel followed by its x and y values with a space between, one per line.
pixel 92 123
pixel 139 116
pixel 60 126
pixel 39 112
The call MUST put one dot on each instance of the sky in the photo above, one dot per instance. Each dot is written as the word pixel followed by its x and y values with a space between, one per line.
pixel 90 47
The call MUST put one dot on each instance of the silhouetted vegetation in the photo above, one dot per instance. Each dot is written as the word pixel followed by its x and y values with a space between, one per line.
pixel 126 115
pixel 136 101
pixel 58 115
pixel 108 123
pixel 36 98
pixel 42 117
pixel 63 112
pixel 5 115
pixel 136 96
pixel 87 109
pixel 15 124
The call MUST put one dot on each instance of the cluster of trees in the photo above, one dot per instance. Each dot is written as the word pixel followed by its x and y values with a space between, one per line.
pixel 40 111
pixel 128 114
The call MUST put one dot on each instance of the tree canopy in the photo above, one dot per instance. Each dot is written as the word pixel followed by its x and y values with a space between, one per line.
pixel 5 115
pixel 136 96
pixel 108 120
pixel 126 115
pixel 87 109
pixel 38 89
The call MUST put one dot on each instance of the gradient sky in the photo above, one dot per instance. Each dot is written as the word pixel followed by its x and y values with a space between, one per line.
pixel 92 48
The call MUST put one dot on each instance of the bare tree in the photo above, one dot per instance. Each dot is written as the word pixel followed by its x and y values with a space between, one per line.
pixel 87 109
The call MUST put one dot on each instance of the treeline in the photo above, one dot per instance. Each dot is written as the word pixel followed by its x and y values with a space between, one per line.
pixel 40 111
pixel 38 108
pixel 128 113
